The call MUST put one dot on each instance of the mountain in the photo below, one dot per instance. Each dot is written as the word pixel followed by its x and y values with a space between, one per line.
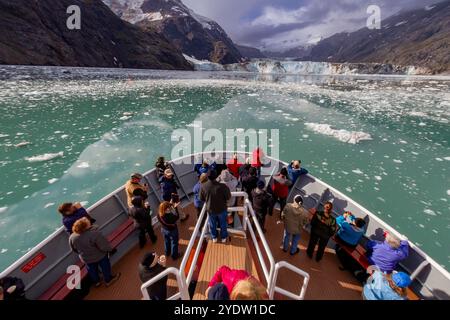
pixel 191 33
pixel 298 52
pixel 34 32
pixel 418 37
pixel 250 52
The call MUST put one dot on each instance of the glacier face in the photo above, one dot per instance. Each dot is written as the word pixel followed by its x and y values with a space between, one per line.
pixel 305 67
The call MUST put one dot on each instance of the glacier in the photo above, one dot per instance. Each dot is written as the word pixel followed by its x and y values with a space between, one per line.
pixel 305 67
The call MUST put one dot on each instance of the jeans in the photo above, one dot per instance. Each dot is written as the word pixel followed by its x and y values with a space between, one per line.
pixel 287 238
pixel 218 219
pixel 170 242
pixel 104 265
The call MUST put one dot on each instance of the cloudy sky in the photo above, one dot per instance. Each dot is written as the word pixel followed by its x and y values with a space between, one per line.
pixel 282 24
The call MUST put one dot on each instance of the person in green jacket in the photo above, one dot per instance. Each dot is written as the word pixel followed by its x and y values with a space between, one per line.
pixel 295 217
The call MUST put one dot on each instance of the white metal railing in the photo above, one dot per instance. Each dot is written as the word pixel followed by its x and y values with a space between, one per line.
pixel 182 294
pixel 273 286
pixel 270 270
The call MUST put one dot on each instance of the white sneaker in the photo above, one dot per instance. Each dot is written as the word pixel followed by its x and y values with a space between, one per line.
pixel 215 240
pixel 224 240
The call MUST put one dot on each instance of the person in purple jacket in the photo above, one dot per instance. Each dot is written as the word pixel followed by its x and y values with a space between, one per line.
pixel 386 255
pixel 72 212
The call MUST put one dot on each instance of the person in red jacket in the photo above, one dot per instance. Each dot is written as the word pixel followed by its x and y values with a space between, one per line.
pixel 256 160
pixel 280 189
pixel 234 165
pixel 239 283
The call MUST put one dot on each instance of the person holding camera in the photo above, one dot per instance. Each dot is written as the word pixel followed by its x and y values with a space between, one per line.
pixel 141 214
pixel 134 187
pixel 295 170
pixel 169 192
pixel 72 212
pixel 151 266
pixel 94 250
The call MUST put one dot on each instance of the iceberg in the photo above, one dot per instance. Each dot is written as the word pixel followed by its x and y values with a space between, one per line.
pixel 45 157
pixel 352 137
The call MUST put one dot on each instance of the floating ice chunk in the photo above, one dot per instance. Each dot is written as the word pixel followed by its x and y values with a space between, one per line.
pixel 3 209
pixel 52 181
pixel 2 135
pixel 84 203
pixel 352 137
pixel 357 171
pixel 22 144
pixel 398 161
pixel 439 159
pixel 447 158
pixel 253 95
pixel 124 118
pixel 4 251
pixel 448 192
pixel 45 157
pixel 127 114
pixel 64 136
pixel 378 178
pixel 48 205
pixel 83 165
pixel 429 212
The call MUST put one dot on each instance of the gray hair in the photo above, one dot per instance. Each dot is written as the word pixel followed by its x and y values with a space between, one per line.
pixel 393 241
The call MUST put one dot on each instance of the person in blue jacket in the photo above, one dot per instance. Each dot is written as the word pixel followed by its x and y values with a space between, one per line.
pixel 295 170
pixel 71 212
pixel 381 286
pixel 351 229
pixel 198 204
pixel 350 232
pixel 204 167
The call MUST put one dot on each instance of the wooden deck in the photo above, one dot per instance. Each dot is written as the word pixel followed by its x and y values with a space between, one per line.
pixel 327 282
pixel 234 254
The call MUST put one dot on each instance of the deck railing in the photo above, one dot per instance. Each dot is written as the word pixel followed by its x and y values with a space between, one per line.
pixel 250 223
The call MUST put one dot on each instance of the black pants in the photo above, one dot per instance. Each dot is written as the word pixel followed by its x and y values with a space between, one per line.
pixel 276 199
pixel 143 231
pixel 261 219
pixel 313 240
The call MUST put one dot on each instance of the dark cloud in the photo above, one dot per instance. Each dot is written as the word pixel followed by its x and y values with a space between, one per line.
pixel 279 24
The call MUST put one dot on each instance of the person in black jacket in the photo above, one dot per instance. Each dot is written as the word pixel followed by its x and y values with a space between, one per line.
pixel 13 289
pixel 261 203
pixel 161 165
pixel 249 181
pixel 216 195
pixel 150 266
pixel 141 214
pixel 323 227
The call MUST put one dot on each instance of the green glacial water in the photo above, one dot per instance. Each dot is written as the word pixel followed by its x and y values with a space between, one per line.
pixel 100 127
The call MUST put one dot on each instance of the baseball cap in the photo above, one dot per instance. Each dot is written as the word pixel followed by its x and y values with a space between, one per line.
pixel 401 279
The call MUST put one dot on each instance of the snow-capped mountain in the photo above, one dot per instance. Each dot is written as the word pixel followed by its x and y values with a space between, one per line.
pixel 35 33
pixel 192 33
pixel 418 37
